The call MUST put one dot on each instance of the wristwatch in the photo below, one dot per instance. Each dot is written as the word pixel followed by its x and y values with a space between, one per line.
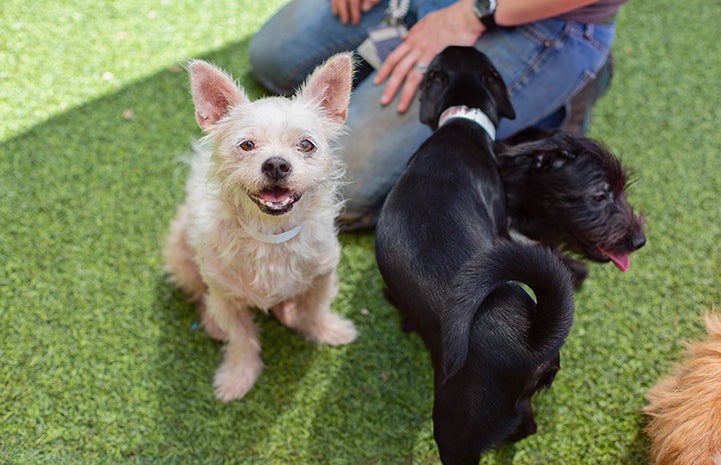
pixel 485 11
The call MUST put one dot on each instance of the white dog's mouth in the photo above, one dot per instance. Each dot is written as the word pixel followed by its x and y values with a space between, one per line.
pixel 275 200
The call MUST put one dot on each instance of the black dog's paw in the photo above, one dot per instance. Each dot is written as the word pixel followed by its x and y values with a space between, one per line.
pixel 406 325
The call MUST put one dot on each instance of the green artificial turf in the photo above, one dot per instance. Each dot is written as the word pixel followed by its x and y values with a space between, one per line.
pixel 99 361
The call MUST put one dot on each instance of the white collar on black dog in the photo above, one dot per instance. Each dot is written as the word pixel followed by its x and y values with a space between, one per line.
pixel 473 114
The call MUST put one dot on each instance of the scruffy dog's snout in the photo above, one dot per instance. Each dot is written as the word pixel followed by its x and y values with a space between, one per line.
pixel 638 240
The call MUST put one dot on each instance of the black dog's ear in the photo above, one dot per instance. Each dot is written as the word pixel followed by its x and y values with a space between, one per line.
pixel 497 86
pixel 434 82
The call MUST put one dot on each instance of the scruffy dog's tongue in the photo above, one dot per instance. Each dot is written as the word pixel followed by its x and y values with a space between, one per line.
pixel 621 260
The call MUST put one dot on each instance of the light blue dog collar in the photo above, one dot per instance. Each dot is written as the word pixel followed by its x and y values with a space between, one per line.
pixel 473 114
pixel 273 238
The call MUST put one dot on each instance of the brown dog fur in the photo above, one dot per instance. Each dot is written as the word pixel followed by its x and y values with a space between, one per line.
pixel 685 407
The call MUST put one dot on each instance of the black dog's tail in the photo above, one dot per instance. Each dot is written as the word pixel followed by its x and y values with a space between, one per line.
pixel 536 267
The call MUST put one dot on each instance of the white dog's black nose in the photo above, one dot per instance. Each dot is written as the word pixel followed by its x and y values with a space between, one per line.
pixel 276 168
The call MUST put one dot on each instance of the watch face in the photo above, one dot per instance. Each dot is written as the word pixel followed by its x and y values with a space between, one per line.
pixel 484 7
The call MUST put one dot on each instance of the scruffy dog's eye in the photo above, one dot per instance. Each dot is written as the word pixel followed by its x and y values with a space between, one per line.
pixel 306 146
pixel 246 145
pixel 603 195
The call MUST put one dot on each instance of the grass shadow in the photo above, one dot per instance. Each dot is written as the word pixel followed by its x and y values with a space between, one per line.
pixel 87 202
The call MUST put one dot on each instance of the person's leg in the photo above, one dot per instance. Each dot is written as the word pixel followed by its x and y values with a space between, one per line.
pixel 543 66
pixel 375 150
pixel 580 108
pixel 299 37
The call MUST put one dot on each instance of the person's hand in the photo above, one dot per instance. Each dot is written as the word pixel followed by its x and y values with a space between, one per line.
pixel 351 10
pixel 453 25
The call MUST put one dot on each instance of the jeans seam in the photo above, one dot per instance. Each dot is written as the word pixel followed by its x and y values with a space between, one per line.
pixel 580 31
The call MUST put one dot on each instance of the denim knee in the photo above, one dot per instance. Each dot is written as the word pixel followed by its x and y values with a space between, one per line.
pixel 265 65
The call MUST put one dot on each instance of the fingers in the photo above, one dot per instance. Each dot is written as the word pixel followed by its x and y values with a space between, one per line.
pixel 347 10
pixel 407 76
pixel 403 68
pixel 340 9
pixel 355 11
pixel 451 25
pixel 367 5
pixel 413 82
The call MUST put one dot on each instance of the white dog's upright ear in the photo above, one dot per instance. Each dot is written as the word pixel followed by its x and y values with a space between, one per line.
pixel 330 84
pixel 214 93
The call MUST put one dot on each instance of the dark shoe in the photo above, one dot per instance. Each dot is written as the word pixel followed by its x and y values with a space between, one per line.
pixel 582 103
pixel 349 222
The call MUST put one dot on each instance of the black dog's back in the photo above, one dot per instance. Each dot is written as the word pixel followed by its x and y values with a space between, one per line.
pixel 444 251
pixel 426 212
pixel 491 345
pixel 416 248
pixel 531 332
pixel 498 348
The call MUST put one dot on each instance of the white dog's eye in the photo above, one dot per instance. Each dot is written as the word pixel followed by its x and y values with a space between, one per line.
pixel 306 146
pixel 246 145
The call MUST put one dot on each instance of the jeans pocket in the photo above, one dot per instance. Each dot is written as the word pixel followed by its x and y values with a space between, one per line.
pixel 597 36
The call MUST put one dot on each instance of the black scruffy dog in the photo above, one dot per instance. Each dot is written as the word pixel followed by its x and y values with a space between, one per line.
pixel 569 192
pixel 443 248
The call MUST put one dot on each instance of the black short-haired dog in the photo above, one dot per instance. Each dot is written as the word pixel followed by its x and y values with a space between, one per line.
pixel 443 248
pixel 569 192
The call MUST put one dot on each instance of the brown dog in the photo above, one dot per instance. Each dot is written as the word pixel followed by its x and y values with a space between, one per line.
pixel 685 407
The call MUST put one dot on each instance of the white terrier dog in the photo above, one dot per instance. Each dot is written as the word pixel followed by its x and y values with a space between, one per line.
pixel 257 229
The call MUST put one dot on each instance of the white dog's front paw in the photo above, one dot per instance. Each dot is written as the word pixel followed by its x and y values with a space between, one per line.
pixel 233 380
pixel 334 331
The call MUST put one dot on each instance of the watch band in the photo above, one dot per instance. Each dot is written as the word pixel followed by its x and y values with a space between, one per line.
pixel 485 12
pixel 489 21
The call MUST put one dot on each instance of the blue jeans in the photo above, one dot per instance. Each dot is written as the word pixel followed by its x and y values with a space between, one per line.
pixel 543 63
